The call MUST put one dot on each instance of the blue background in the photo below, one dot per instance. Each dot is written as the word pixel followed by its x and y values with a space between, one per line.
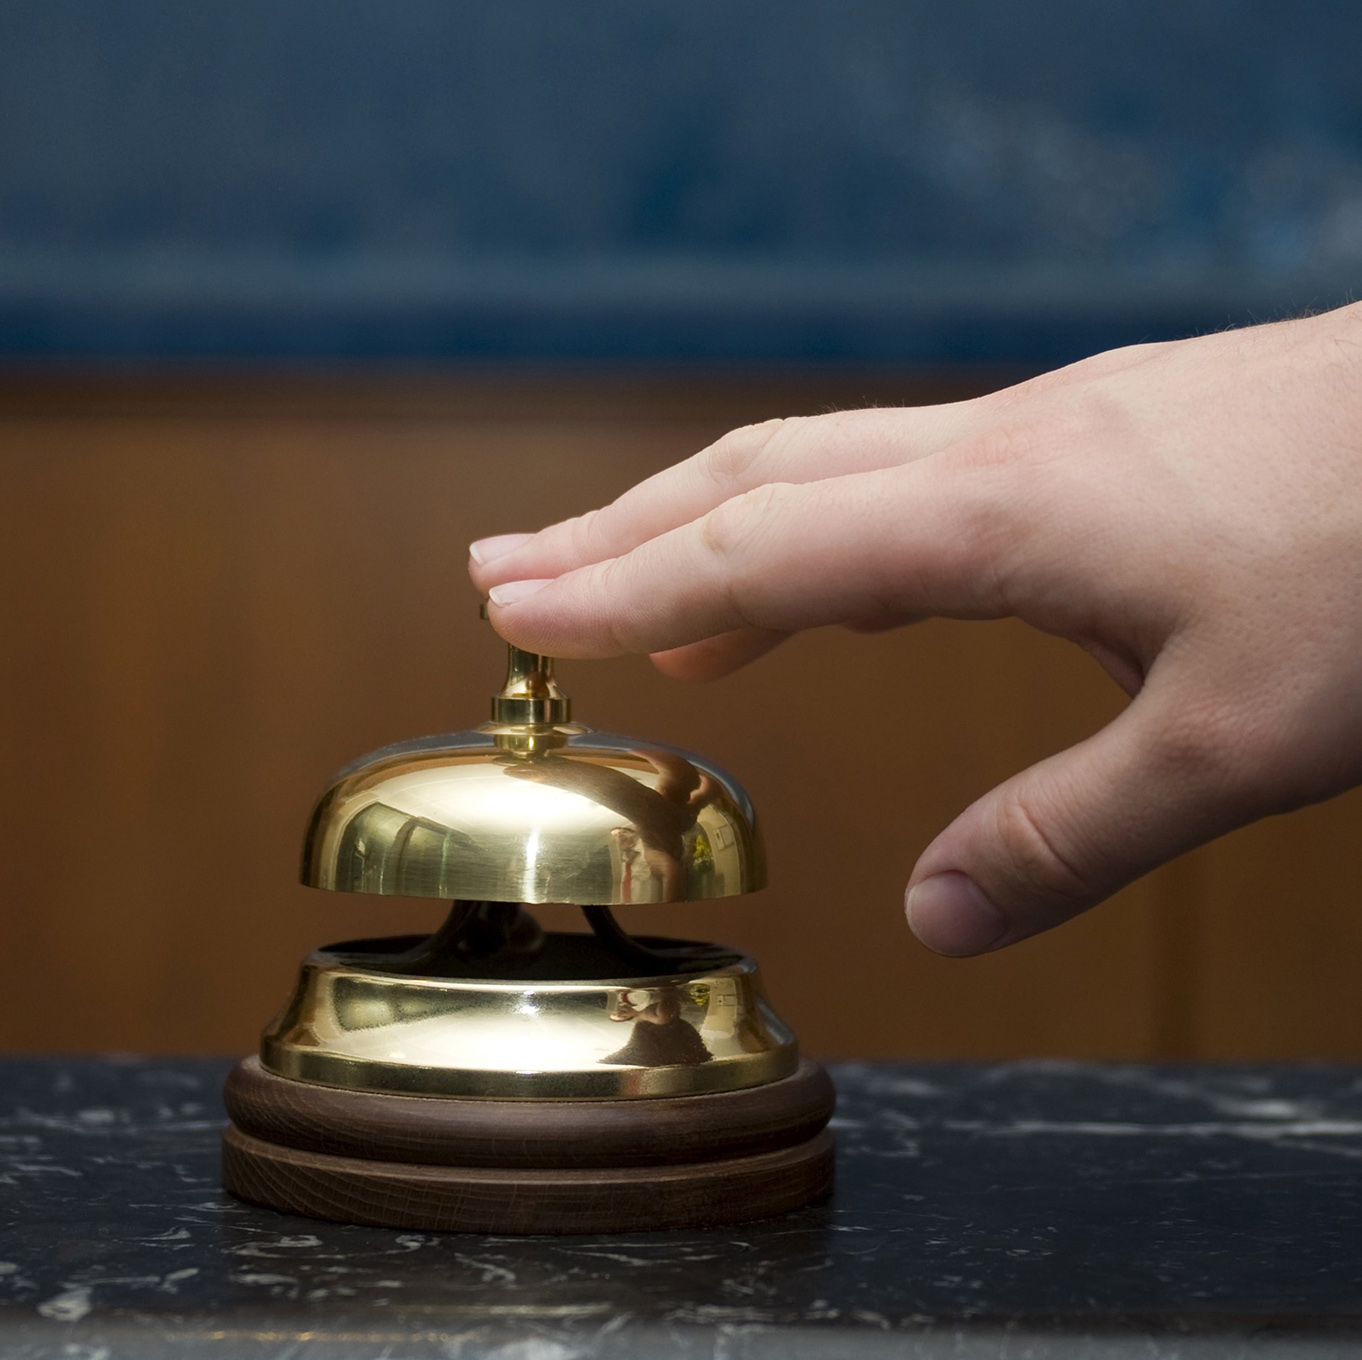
pixel 754 180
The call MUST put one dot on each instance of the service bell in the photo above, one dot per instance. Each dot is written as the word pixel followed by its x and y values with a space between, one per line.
pixel 498 1077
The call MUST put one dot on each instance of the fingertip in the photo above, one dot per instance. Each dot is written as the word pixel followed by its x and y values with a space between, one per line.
pixel 513 592
pixel 486 550
pixel 541 616
pixel 949 913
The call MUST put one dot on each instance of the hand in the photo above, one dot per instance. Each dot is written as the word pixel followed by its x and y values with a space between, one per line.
pixel 1190 513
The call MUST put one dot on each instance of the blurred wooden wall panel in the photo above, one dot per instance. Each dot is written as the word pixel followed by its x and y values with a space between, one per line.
pixel 216 592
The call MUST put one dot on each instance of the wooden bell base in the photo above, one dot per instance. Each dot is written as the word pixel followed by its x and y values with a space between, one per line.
pixel 528 1166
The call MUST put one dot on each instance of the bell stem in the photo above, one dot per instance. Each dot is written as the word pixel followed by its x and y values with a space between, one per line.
pixel 531 695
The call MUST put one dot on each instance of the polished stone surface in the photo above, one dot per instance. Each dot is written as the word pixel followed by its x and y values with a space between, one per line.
pixel 1025 1210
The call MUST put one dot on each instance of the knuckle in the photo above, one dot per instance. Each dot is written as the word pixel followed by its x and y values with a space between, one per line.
pixel 1091 419
pixel 734 459
pixel 1019 481
pixel 1000 446
pixel 1058 382
pixel 583 533
pixel 729 531
pixel 977 546
pixel 1081 419
pixel 598 586
pixel 1038 862
pixel 991 490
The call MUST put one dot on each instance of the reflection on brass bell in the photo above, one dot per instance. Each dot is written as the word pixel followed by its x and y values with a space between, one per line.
pixel 496 1077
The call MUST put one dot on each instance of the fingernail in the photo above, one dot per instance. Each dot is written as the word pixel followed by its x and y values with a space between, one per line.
pixel 486 550
pixel 515 591
pixel 949 914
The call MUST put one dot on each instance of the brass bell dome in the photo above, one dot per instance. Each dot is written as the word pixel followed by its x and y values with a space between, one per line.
pixel 532 808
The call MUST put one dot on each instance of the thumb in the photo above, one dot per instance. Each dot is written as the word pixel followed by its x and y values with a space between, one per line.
pixel 1058 838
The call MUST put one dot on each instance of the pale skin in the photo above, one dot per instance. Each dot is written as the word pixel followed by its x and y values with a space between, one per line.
pixel 1189 513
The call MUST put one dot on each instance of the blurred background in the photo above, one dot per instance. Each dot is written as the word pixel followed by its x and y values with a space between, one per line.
pixel 298 297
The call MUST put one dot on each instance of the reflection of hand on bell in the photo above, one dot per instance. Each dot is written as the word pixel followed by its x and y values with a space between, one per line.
pixel 658 818
pixel 658 1006
pixel 679 781
pixel 660 1037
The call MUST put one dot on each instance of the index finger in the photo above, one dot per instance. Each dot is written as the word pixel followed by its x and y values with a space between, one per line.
pixel 796 450
pixel 918 540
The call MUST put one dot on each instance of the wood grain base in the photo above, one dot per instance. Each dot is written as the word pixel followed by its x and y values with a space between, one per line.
pixel 530 1133
pixel 528 1166
pixel 517 1200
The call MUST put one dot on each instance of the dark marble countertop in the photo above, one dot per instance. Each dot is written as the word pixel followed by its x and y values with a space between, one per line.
pixel 1020 1210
